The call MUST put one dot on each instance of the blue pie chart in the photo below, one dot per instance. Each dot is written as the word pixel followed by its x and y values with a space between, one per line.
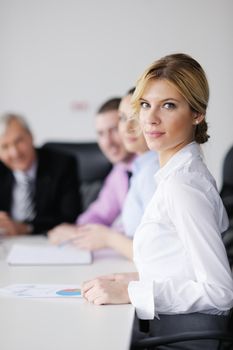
pixel 69 292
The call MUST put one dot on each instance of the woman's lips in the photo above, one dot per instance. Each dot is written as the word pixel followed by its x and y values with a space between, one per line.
pixel 155 134
pixel 132 139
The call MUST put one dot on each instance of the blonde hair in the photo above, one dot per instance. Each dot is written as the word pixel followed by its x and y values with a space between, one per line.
pixel 186 74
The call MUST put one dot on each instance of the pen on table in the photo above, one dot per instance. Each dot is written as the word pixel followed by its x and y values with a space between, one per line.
pixel 66 242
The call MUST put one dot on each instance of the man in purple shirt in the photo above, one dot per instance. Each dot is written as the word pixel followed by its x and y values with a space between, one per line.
pixel 105 210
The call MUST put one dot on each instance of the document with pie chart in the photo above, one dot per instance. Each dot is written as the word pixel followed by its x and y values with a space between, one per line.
pixel 41 291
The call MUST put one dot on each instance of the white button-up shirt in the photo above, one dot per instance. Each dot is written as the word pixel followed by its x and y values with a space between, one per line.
pixel 178 248
pixel 142 187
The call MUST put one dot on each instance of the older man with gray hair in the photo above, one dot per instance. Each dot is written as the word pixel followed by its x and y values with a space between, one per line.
pixel 38 187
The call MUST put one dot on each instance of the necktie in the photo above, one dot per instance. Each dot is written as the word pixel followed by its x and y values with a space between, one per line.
pixel 129 174
pixel 27 207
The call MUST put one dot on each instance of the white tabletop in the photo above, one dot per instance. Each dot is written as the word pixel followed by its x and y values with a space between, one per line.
pixel 60 324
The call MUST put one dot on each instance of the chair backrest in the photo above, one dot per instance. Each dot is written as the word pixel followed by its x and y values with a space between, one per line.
pixel 227 197
pixel 228 168
pixel 92 166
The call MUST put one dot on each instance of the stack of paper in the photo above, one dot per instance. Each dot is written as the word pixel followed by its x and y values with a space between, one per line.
pixel 48 255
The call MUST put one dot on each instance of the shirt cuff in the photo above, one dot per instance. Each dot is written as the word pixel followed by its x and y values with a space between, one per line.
pixel 142 297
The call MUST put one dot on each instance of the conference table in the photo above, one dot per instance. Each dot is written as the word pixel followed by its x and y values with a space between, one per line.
pixel 58 324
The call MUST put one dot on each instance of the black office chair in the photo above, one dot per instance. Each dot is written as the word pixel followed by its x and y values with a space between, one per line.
pixel 168 335
pixel 228 242
pixel 92 166
pixel 227 197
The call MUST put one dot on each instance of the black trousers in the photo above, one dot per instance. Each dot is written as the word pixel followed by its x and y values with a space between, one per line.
pixel 169 325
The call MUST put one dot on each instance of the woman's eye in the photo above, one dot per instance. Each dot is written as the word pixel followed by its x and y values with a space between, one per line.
pixel 144 105
pixel 169 105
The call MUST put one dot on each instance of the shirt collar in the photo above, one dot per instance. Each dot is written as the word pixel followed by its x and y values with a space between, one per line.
pixel 181 158
pixel 141 159
pixel 127 166
pixel 31 173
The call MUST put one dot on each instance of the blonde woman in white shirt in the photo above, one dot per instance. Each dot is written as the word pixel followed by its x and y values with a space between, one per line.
pixel 178 250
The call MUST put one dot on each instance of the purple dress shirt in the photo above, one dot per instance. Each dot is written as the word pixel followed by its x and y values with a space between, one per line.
pixel 108 205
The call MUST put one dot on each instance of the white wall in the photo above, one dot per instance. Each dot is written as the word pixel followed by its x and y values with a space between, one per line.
pixel 56 55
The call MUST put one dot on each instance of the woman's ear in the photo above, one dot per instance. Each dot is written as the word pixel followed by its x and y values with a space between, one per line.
pixel 197 118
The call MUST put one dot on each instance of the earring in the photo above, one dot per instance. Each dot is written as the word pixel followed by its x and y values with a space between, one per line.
pixel 197 121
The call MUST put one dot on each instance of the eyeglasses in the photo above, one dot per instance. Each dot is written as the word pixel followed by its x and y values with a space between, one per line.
pixel 132 121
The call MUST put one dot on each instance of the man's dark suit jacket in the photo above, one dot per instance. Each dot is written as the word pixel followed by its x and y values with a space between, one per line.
pixel 57 196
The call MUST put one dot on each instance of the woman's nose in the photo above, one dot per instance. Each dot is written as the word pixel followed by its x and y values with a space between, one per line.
pixel 153 117
pixel 133 125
